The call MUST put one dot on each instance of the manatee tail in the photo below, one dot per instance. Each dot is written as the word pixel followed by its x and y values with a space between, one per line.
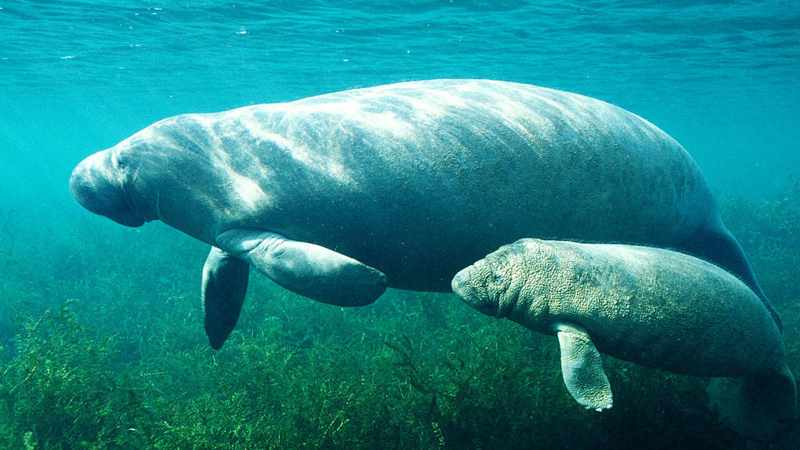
pixel 716 244
pixel 757 407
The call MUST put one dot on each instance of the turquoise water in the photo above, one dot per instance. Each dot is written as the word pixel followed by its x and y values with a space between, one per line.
pixel 79 76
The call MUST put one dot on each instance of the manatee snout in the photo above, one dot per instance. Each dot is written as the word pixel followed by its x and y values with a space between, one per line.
pixel 459 281
pixel 95 185
pixel 470 290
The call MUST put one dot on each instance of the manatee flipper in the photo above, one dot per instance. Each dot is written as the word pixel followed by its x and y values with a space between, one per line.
pixel 224 287
pixel 582 367
pixel 759 407
pixel 307 269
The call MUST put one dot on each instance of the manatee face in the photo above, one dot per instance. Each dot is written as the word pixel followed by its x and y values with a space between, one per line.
pixel 101 184
pixel 488 285
pixel 470 286
pixel 149 177
pixel 509 282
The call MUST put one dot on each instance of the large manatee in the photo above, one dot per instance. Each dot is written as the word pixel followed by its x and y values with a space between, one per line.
pixel 338 196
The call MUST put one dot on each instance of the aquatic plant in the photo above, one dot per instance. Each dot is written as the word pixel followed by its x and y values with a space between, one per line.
pixel 61 389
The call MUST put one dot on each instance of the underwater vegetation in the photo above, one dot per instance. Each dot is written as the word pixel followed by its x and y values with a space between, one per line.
pixel 102 347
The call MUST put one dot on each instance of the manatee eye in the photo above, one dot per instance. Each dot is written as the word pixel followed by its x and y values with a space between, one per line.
pixel 118 163
pixel 498 277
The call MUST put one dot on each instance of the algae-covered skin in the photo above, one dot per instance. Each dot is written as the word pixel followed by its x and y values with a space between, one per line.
pixel 338 196
pixel 650 306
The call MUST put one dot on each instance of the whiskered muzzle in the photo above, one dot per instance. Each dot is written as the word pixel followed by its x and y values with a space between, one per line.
pixel 94 186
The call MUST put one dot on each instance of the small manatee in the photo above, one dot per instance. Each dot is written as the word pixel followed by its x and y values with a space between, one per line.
pixel 651 306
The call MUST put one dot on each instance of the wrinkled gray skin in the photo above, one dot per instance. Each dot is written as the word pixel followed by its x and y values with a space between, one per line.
pixel 338 196
pixel 650 306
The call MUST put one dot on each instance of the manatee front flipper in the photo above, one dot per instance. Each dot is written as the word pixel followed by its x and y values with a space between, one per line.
pixel 307 269
pixel 582 367
pixel 224 287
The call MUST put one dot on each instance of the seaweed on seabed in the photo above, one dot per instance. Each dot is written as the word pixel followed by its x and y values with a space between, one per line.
pixel 472 388
pixel 424 392
pixel 59 389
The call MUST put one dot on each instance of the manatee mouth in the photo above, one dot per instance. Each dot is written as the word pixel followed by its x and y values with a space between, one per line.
pixel 93 186
pixel 469 295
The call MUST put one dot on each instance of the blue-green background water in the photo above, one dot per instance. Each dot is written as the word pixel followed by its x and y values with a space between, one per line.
pixel 79 76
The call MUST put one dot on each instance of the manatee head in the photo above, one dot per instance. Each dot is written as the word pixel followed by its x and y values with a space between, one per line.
pixel 513 281
pixel 493 284
pixel 102 183
pixel 164 172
